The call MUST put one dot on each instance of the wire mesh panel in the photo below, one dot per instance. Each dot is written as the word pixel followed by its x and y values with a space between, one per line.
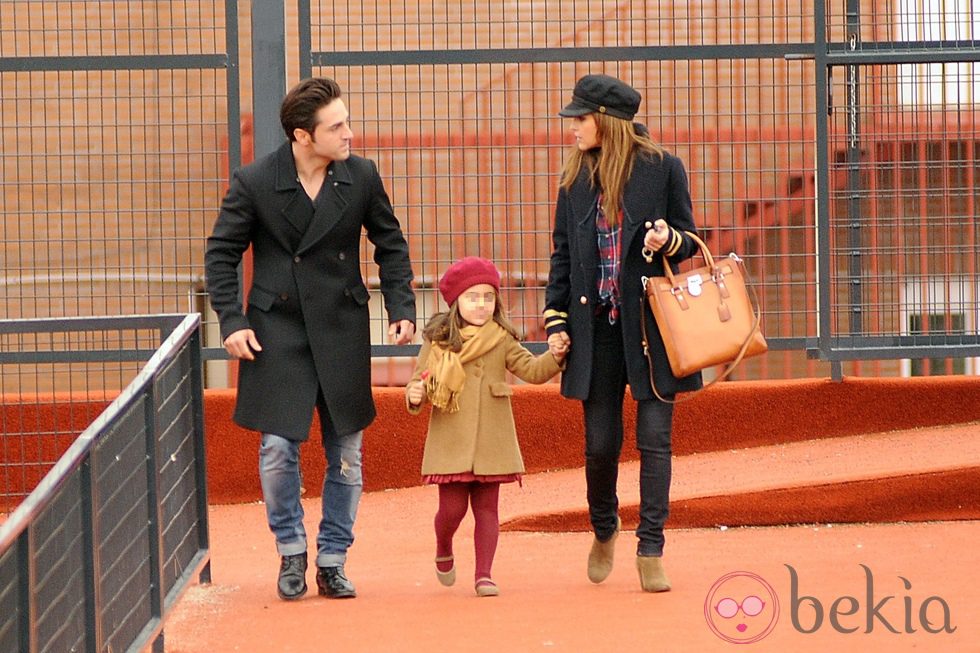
pixel 120 482
pixel 458 104
pixel 10 603
pixel 59 563
pixel 904 242
pixel 52 386
pixel 177 457
pixel 114 140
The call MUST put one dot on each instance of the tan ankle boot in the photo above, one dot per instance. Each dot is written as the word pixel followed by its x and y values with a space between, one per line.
pixel 652 576
pixel 601 556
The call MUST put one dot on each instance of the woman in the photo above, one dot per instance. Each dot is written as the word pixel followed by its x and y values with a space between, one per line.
pixel 620 194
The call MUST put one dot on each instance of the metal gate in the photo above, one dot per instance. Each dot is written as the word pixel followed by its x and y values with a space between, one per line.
pixel 897 217
pixel 837 149
pixel 119 122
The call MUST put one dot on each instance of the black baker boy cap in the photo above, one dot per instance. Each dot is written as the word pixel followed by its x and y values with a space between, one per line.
pixel 602 94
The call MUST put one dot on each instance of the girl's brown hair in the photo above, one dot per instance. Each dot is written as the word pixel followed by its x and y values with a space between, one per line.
pixel 444 328
pixel 609 165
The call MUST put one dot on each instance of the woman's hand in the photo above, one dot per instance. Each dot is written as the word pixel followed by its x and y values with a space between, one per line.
pixel 656 236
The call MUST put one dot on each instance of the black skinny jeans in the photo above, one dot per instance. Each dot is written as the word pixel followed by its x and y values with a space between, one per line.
pixel 604 442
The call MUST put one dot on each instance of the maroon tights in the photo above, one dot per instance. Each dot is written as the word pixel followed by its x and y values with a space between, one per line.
pixel 453 499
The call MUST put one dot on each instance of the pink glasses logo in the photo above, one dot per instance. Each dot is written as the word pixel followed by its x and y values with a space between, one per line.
pixel 741 608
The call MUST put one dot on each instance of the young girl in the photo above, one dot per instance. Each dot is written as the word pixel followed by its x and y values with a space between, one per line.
pixel 471 447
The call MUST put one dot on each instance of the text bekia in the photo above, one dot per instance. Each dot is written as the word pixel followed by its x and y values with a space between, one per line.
pixel 846 614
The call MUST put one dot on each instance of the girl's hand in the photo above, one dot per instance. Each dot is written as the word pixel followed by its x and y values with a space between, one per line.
pixel 415 393
pixel 558 344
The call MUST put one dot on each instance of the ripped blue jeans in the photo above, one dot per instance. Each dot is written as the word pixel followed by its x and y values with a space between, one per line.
pixel 280 475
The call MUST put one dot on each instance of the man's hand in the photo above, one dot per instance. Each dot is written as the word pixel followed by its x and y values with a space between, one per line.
pixel 402 332
pixel 242 343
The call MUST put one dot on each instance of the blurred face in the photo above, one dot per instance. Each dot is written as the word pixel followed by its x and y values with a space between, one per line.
pixel 331 138
pixel 586 132
pixel 477 303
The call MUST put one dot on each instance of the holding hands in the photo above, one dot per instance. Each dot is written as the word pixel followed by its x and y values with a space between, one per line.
pixel 558 344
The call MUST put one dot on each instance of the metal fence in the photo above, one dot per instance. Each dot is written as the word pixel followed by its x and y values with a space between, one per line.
pixel 833 145
pixel 119 122
pixel 98 553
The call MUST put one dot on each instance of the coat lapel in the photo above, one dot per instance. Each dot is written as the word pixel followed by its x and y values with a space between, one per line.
pixel 287 182
pixel 331 205
pixel 583 203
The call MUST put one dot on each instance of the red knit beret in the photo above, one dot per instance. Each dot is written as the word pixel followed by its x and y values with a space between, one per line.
pixel 466 273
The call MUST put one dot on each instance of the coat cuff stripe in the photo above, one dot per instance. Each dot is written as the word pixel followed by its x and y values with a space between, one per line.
pixel 675 242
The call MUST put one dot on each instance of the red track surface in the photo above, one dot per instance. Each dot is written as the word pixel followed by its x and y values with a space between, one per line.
pixel 548 604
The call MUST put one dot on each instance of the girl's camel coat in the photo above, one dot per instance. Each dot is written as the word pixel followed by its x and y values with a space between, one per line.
pixel 481 437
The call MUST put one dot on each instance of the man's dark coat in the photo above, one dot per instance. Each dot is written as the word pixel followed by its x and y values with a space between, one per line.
pixel 308 304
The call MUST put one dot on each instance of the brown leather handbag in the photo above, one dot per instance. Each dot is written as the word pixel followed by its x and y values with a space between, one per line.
pixel 708 316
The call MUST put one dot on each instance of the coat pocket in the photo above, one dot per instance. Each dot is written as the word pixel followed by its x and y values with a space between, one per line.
pixel 261 299
pixel 501 389
pixel 359 294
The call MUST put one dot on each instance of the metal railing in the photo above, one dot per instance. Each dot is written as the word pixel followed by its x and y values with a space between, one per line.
pixel 97 554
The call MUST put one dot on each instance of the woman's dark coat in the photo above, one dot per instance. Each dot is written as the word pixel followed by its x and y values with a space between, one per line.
pixel 308 304
pixel 656 189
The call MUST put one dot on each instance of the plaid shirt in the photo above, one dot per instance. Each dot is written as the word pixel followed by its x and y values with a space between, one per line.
pixel 609 253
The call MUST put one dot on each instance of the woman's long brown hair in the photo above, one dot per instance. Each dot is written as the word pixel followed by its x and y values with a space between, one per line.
pixel 609 165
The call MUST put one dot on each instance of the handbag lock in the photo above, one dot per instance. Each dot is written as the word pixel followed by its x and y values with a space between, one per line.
pixel 694 285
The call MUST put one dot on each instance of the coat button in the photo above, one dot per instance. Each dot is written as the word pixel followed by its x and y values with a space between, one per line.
pixel 583 300
pixel 342 256
pixel 648 224
pixel 283 296
pixel 346 292
pixel 296 259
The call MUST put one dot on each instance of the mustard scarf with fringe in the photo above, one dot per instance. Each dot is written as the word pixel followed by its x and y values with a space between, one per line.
pixel 446 377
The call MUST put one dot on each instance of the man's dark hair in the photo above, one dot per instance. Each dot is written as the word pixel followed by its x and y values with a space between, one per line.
pixel 299 107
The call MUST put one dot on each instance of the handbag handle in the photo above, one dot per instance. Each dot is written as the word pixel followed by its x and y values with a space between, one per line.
pixel 757 320
pixel 709 260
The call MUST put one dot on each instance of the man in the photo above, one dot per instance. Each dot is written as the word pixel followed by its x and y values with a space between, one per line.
pixel 304 341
